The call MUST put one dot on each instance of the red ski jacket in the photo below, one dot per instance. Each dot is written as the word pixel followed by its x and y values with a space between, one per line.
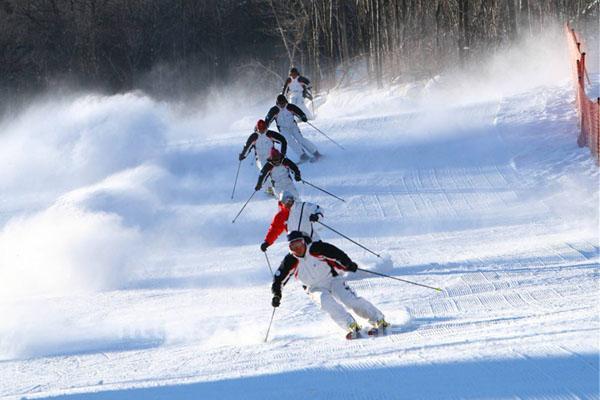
pixel 278 225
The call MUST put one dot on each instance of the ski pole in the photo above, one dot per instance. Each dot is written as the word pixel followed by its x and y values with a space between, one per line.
pixel 268 263
pixel 323 190
pixel 344 236
pixel 398 279
pixel 270 323
pixel 323 133
pixel 236 178
pixel 244 206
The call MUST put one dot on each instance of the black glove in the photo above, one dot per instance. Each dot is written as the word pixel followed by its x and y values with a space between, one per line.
pixel 242 156
pixel 304 119
pixel 264 246
pixel 257 187
pixel 352 266
pixel 313 217
pixel 276 301
pixel 298 178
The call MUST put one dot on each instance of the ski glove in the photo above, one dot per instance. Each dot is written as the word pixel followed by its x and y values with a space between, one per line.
pixel 276 301
pixel 314 217
pixel 352 266
pixel 298 178
pixel 257 187
pixel 304 119
pixel 242 156
pixel 264 246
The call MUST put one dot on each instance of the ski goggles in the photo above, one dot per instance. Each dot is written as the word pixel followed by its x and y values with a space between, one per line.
pixel 297 247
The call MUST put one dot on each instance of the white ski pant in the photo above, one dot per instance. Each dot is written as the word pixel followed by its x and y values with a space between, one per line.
pixel 338 294
pixel 297 99
pixel 282 185
pixel 296 141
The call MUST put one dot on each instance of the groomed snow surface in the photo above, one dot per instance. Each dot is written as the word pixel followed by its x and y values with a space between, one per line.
pixel 123 277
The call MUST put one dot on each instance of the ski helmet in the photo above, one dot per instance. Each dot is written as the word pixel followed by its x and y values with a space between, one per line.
pixel 275 155
pixel 261 125
pixel 281 100
pixel 295 235
pixel 294 70
pixel 286 196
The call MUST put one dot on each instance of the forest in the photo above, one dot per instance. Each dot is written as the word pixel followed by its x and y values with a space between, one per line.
pixel 168 48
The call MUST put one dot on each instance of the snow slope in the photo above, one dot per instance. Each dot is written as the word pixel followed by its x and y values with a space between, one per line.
pixel 122 276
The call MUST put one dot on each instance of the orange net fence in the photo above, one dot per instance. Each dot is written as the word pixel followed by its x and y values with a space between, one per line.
pixel 588 110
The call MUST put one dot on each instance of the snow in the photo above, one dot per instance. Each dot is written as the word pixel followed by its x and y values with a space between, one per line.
pixel 122 276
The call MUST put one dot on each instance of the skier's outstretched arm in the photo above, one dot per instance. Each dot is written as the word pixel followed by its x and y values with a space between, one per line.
pixel 271 114
pixel 296 110
pixel 279 138
pixel 333 253
pixel 263 175
pixel 282 275
pixel 304 80
pixel 276 228
pixel 251 140
pixel 292 165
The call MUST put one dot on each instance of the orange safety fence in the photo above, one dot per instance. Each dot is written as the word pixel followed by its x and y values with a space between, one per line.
pixel 588 110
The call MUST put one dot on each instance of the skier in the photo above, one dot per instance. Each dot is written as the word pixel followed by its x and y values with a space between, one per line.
pixel 283 113
pixel 278 170
pixel 293 215
pixel 315 265
pixel 296 88
pixel 263 140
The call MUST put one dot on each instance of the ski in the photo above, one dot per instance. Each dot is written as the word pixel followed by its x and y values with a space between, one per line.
pixel 377 332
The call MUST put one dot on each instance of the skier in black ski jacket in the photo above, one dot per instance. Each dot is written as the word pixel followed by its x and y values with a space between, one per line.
pixel 316 265
pixel 283 113
pixel 263 140
pixel 297 88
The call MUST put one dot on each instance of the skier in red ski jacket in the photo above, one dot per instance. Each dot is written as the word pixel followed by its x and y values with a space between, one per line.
pixel 293 216
pixel 316 265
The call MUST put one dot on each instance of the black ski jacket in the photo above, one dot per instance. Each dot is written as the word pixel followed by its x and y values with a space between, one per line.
pixel 332 255
pixel 306 87
pixel 274 136
pixel 294 109
pixel 286 162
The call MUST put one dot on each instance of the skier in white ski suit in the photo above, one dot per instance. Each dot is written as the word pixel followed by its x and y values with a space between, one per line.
pixel 315 265
pixel 296 88
pixel 293 216
pixel 277 169
pixel 262 141
pixel 283 113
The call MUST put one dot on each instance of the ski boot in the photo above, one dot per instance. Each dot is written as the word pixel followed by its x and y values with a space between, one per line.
pixel 270 191
pixel 353 331
pixel 378 327
pixel 316 157
pixel 303 158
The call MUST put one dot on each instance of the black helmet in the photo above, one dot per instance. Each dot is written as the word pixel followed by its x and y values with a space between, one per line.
pixel 281 99
pixel 295 235
pixel 294 70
